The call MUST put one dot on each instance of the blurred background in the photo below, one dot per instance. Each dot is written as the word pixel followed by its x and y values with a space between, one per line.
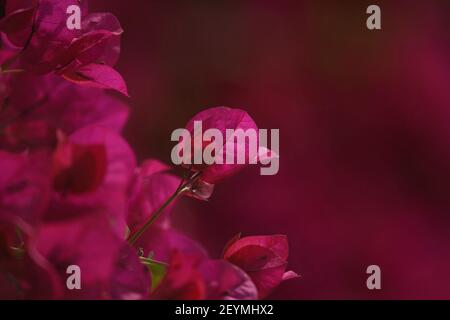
pixel 364 123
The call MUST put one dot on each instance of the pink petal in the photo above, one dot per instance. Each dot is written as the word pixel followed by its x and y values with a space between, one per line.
pixel 192 277
pixel 263 258
pixel 88 242
pixel 183 280
pixel 121 159
pixel 267 279
pixel 276 243
pixel 63 105
pixel 111 194
pixel 130 278
pixel 105 21
pixel 17 25
pixel 222 118
pixel 77 168
pixel 227 282
pixel 50 37
pixel 84 50
pixel 98 76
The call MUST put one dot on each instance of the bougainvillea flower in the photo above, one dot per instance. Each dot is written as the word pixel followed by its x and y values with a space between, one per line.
pixel 120 158
pixel 23 274
pixel 18 21
pixel 152 186
pixel 78 168
pixel 93 170
pixel 109 52
pixel 47 38
pixel 194 277
pixel 87 241
pixel 61 104
pixel 263 258
pixel 99 44
pixel 24 196
pixel 34 261
pixel 221 118
pixel 230 154
pixel 84 56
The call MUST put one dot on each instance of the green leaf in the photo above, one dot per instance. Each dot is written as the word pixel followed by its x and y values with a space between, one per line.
pixel 157 269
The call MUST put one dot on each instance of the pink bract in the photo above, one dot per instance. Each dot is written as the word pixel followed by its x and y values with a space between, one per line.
pixel 61 104
pixel 221 118
pixel 264 258
pixel 45 44
pixel 193 277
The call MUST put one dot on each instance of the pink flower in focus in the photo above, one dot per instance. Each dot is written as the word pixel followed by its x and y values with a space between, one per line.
pixel 221 118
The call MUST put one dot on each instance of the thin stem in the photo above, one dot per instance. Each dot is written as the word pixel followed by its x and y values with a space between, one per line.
pixel 136 235
pixel 180 190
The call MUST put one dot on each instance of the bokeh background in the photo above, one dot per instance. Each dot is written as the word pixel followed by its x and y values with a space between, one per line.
pixel 364 121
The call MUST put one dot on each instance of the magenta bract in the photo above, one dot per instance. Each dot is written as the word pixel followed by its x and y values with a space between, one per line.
pixel 264 258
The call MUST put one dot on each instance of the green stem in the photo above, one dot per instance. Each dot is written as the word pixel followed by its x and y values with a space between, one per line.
pixel 136 235
pixel 183 187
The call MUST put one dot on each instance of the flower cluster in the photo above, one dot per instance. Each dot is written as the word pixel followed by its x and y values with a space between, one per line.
pixel 71 191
